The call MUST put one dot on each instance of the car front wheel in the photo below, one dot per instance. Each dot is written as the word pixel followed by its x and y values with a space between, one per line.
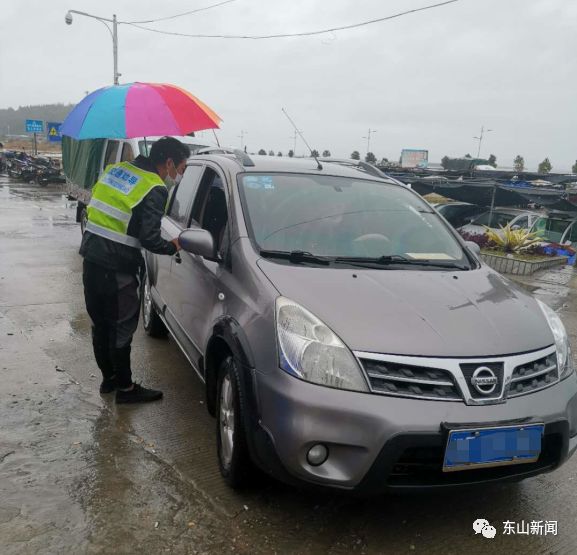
pixel 151 321
pixel 233 456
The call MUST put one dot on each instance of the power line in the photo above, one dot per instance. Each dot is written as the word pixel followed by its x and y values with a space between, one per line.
pixel 178 14
pixel 302 34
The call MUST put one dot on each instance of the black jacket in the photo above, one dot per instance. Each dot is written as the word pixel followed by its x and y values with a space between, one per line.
pixel 144 225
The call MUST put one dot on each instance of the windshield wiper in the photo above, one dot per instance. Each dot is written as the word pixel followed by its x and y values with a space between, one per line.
pixel 296 257
pixel 397 259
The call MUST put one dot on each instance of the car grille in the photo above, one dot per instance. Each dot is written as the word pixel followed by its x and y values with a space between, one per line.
pixel 411 381
pixel 534 376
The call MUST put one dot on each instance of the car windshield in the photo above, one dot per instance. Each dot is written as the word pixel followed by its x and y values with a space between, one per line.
pixel 345 218
pixel 499 219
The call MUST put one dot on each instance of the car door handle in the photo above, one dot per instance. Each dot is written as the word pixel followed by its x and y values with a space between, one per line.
pixel 177 258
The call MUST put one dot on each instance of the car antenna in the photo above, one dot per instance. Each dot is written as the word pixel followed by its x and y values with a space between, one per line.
pixel 319 166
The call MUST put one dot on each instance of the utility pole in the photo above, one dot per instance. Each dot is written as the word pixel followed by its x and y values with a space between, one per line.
pixel 113 33
pixel 368 138
pixel 241 137
pixel 480 139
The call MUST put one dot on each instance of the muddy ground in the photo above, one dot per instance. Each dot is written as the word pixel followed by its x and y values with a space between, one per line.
pixel 80 475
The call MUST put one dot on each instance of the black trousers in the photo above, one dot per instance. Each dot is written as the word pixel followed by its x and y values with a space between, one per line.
pixel 113 304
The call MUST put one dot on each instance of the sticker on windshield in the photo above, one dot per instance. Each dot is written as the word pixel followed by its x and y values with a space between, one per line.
pixel 258 181
pixel 430 256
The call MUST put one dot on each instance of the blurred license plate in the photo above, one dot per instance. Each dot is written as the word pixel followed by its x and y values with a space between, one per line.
pixel 484 447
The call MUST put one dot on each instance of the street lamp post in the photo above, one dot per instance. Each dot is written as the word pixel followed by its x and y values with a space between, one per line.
pixel 241 137
pixel 480 139
pixel 368 138
pixel 113 33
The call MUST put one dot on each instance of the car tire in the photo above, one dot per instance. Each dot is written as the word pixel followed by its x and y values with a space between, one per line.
pixel 234 460
pixel 153 325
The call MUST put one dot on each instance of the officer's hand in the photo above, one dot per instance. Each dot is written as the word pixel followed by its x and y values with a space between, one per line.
pixel 176 244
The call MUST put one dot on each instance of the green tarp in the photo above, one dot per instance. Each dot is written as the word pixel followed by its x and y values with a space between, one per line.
pixel 81 160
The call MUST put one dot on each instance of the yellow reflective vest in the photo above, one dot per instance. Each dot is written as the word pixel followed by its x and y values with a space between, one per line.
pixel 120 188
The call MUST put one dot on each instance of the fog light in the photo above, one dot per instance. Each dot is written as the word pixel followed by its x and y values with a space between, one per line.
pixel 317 454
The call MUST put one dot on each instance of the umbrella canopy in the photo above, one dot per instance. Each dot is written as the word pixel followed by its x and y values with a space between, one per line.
pixel 138 110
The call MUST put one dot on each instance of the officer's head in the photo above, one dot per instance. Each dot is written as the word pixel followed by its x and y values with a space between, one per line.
pixel 168 155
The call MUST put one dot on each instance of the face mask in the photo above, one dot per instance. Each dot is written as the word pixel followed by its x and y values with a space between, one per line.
pixel 178 178
pixel 170 182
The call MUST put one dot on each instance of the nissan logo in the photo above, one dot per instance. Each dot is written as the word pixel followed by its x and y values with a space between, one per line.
pixel 484 380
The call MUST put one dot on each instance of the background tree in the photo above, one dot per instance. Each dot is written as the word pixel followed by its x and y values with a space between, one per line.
pixel 326 153
pixel 493 160
pixel 545 166
pixel 384 161
pixel 355 155
pixel 445 162
pixel 519 163
pixel 370 158
pixel 468 156
pixel 314 153
pixel 279 153
pixel 574 168
pixel 291 153
pixel 271 152
pixel 262 152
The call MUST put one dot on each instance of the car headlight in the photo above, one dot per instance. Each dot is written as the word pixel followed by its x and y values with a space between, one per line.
pixel 564 361
pixel 311 351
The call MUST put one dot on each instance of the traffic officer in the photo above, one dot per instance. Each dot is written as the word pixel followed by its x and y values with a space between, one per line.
pixel 124 215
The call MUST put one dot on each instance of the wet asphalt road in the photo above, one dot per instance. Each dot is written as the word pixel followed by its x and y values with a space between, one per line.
pixel 80 475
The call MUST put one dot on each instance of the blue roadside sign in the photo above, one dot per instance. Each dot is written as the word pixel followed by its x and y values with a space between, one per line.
pixel 34 126
pixel 53 131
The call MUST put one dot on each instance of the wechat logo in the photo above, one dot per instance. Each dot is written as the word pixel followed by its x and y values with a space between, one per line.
pixel 482 526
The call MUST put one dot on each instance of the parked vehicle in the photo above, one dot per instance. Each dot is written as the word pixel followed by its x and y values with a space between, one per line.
pixel 458 214
pixel 25 167
pixel 349 338
pixel 517 219
pixel 84 161
pixel 557 229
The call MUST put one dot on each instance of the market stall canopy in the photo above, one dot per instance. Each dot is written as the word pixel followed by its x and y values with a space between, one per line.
pixel 480 192
pixel 138 110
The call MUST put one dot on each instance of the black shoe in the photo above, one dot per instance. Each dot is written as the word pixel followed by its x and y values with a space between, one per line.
pixel 138 394
pixel 108 385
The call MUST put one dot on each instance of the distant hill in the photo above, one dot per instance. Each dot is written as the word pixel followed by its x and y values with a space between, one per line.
pixel 12 120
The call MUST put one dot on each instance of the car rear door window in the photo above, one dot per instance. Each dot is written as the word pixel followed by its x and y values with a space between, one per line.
pixel 183 195
pixel 127 153
pixel 111 153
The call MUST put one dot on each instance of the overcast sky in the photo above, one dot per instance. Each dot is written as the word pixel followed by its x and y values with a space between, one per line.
pixel 428 80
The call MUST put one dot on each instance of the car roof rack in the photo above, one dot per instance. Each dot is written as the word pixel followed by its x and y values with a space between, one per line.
pixel 365 166
pixel 239 155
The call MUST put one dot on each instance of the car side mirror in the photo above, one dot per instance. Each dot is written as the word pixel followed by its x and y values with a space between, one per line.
pixel 515 227
pixel 473 247
pixel 197 241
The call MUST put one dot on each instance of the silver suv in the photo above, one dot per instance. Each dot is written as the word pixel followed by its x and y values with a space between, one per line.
pixel 348 337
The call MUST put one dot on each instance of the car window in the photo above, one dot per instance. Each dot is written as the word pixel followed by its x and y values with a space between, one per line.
pixel 343 217
pixel 210 207
pixel 522 223
pixel 111 152
pixel 499 219
pixel 181 198
pixel 127 153
pixel 572 235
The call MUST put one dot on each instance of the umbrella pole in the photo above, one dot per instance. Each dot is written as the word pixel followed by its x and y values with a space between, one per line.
pixel 216 137
pixel 145 147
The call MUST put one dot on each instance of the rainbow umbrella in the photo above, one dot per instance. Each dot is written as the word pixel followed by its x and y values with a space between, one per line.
pixel 138 110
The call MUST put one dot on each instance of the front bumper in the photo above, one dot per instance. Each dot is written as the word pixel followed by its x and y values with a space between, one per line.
pixel 377 442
